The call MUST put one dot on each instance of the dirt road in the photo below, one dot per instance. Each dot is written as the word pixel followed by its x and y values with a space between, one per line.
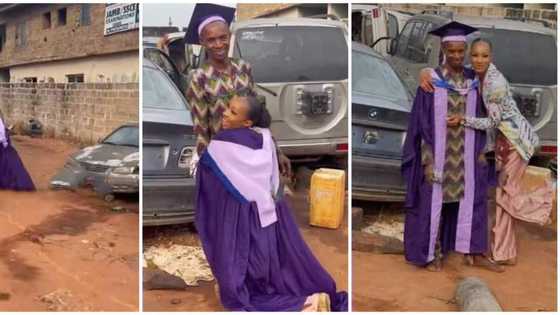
pixel 63 250
pixel 329 246
pixel 388 283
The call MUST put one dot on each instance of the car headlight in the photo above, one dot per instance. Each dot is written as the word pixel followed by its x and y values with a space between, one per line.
pixel 124 170
pixel 72 163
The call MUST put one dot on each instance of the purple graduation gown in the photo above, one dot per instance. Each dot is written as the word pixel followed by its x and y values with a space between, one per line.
pixel 418 203
pixel 257 269
pixel 13 175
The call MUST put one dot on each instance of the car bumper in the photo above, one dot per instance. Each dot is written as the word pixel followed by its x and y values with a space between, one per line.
pixel 377 179
pixel 314 147
pixel 167 201
pixel 123 183
pixel 72 177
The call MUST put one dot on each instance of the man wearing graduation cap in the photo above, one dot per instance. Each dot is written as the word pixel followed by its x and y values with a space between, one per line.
pixel 250 239
pixel 220 77
pixel 444 165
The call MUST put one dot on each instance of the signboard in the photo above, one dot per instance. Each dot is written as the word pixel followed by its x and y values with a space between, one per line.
pixel 121 18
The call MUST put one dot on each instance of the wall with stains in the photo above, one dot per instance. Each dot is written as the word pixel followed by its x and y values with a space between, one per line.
pixel 83 112
pixel 58 42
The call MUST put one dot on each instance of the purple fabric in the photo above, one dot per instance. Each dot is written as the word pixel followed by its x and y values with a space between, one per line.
pixel 242 136
pixel 464 220
pixel 208 20
pixel 13 175
pixel 253 172
pixel 3 133
pixel 454 38
pixel 440 129
pixel 257 269
pixel 420 221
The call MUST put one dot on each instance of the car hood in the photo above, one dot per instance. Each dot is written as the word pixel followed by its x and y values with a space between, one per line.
pixel 372 100
pixel 109 155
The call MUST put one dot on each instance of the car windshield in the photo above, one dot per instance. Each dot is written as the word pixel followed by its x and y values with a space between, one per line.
pixel 127 136
pixel 159 92
pixel 372 75
pixel 523 57
pixel 294 53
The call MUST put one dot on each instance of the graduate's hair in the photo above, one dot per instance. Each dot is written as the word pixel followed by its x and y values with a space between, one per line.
pixel 482 40
pixel 258 113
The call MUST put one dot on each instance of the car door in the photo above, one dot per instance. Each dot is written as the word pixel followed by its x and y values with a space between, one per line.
pixel 410 53
pixel 401 50
pixel 418 52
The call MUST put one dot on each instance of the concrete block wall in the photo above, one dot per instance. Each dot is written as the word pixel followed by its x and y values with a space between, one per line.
pixel 82 112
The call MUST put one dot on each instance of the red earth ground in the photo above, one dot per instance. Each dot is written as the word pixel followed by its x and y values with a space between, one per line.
pixel 62 250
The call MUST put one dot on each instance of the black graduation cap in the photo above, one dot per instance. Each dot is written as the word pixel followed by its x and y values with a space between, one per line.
pixel 453 31
pixel 202 12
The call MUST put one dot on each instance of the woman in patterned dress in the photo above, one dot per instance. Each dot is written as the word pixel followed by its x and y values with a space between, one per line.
pixel 515 142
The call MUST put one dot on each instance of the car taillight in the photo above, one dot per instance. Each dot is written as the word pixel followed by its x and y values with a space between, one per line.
pixel 185 157
pixel 549 149
pixel 342 147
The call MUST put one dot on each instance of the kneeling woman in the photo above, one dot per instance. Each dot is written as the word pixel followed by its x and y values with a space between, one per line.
pixel 249 236
pixel 13 175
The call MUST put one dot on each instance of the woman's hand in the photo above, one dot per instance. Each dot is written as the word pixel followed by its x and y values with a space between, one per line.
pixel 426 80
pixel 429 173
pixel 285 165
pixel 454 120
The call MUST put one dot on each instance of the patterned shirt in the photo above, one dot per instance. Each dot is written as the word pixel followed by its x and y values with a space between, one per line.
pixel 504 114
pixel 209 93
pixel 454 168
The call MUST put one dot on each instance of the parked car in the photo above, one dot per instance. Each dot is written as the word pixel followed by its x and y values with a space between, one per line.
pixel 167 148
pixel 109 167
pixel 300 67
pixel 524 52
pixel 380 109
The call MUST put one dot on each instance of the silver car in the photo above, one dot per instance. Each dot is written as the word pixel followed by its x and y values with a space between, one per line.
pixel 109 167
pixel 524 52
pixel 301 67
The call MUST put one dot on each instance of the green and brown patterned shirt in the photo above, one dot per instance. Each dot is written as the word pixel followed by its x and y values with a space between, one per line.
pixel 454 168
pixel 209 93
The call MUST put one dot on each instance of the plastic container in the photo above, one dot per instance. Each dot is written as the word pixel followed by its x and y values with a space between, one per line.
pixel 326 196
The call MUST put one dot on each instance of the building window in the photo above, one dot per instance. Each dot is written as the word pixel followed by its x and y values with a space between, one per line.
pixel 46 20
pixel 2 36
pixel 30 79
pixel 21 34
pixel 85 18
pixel 75 78
pixel 62 16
